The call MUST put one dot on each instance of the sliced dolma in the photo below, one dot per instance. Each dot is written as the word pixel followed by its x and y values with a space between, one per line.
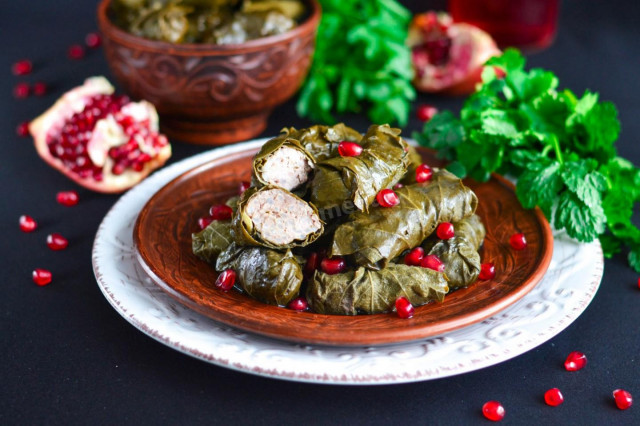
pixel 372 292
pixel 283 162
pixel 351 183
pixel 460 253
pixel 270 276
pixel 373 239
pixel 273 217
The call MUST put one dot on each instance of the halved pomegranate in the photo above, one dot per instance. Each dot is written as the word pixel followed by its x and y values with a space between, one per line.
pixel 102 141
pixel 447 56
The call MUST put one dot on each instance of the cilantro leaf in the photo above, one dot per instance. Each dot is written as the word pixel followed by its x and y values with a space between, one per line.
pixel 634 258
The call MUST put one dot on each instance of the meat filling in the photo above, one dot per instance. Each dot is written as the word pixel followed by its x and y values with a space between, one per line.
pixel 281 218
pixel 287 168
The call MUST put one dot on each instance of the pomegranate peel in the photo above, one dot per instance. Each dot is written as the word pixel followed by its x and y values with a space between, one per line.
pixel 99 140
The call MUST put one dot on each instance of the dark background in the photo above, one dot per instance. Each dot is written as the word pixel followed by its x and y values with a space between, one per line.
pixel 66 357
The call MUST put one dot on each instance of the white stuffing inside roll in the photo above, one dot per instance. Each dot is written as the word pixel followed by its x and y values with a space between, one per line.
pixel 281 218
pixel 287 168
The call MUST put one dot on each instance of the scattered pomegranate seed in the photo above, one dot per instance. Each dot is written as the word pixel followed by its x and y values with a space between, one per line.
pixel 638 282
pixel 423 173
pixel 349 149
pixel 220 212
pixel 404 308
pixel 518 241
pixel 39 89
pixel 27 223
pixel 41 276
pixel 313 261
pixel 67 198
pixel 23 129
pixel 553 397
pixel 414 257
pixel 493 411
pixel 387 198
pixel 56 242
pixel 226 280
pixel 426 112
pixel 203 222
pixel 298 304
pixel 500 73
pixel 432 261
pixel 244 185
pixel 75 52
pixel 445 231
pixel 398 186
pixel 575 361
pixel 623 399
pixel 487 272
pixel 21 90
pixel 333 265
pixel 93 40
pixel 22 67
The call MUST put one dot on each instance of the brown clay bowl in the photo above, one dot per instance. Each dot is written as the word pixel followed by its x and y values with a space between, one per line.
pixel 211 94
pixel 162 236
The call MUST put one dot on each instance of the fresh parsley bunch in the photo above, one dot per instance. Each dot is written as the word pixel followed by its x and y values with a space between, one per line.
pixel 560 147
pixel 360 62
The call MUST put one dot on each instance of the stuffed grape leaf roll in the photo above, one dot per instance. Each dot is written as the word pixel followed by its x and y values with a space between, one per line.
pixel 373 239
pixel 372 292
pixel 270 276
pixel 460 253
pixel 322 141
pixel 356 180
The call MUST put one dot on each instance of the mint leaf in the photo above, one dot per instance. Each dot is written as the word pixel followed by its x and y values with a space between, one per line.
pixel 588 184
pixel 582 222
pixel 634 259
pixel 539 185
pixel 443 132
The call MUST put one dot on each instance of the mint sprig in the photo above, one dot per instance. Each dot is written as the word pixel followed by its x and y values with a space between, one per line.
pixel 560 147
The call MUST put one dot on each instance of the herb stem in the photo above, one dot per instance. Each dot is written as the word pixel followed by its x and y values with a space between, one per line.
pixel 556 147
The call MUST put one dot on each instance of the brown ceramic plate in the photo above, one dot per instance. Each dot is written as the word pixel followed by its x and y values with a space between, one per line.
pixel 162 236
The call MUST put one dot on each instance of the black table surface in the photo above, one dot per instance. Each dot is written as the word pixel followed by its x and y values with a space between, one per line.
pixel 66 357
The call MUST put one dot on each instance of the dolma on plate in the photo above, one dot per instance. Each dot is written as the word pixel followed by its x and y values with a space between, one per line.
pixel 273 217
pixel 322 141
pixel 371 292
pixel 347 183
pixel 270 276
pixel 212 240
pixel 373 239
pixel 459 253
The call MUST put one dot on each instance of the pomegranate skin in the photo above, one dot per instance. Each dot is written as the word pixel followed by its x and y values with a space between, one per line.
pixel 73 102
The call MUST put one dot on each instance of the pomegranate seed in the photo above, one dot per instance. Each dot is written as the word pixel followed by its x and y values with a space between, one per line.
pixel 575 361
pixel 41 276
pixel 27 223
pixel 500 73
pixel 39 89
pixel 93 40
pixel 404 308
pixel 623 399
pixel 493 410
pixel 244 185
pixel 518 241
pixel 553 397
pixel 21 90
pixel 414 257
pixel 445 231
pixel 423 173
pixel 432 261
pixel 56 241
pixel 22 67
pixel 313 261
pixel 638 282
pixel 67 198
pixel 349 149
pixel 75 52
pixel 220 212
pixel 487 272
pixel 23 129
pixel 226 280
pixel 298 304
pixel 398 186
pixel 387 198
pixel 333 265
pixel 203 222
pixel 426 112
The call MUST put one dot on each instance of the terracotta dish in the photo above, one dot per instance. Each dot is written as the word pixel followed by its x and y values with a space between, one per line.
pixel 162 236
pixel 211 94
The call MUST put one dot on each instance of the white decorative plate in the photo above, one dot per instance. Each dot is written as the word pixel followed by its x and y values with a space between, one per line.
pixel 564 293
